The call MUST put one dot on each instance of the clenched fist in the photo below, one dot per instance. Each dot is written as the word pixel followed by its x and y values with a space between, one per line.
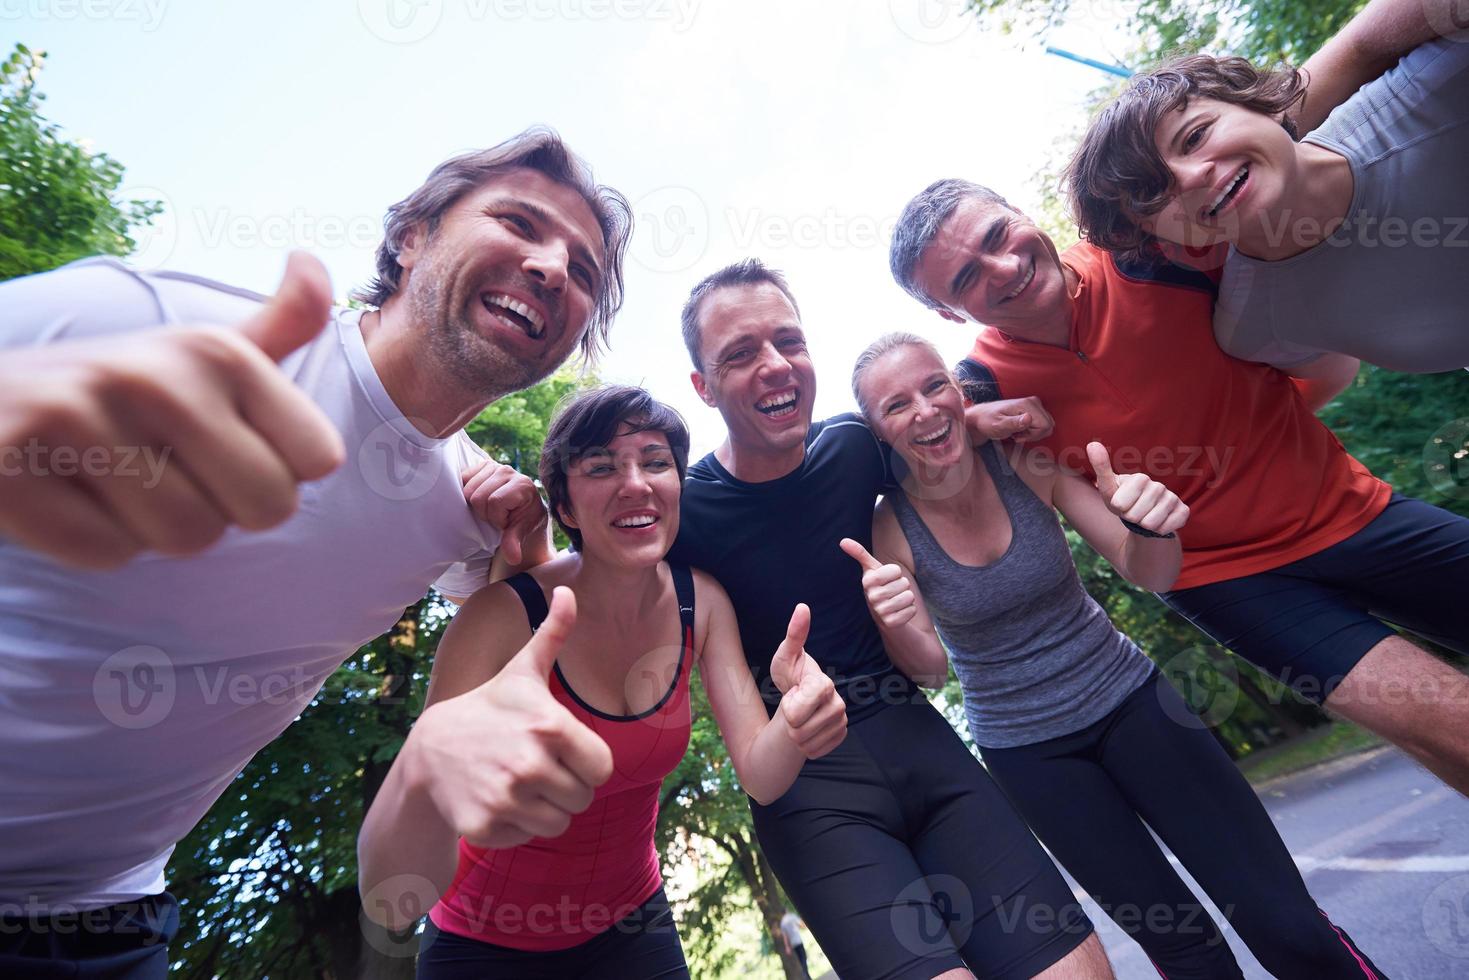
pixel 1136 497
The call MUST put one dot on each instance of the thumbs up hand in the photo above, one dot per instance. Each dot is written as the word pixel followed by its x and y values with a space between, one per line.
pixel 161 439
pixel 813 710
pixel 889 594
pixel 1136 497
pixel 506 762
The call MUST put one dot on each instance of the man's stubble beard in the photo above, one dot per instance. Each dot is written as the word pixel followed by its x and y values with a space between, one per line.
pixel 460 354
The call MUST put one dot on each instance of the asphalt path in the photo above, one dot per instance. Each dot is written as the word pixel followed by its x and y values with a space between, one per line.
pixel 1384 847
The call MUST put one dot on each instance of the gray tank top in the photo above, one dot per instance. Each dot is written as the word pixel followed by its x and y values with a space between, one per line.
pixel 1036 656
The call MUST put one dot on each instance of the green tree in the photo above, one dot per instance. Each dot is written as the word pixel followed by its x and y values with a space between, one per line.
pixel 56 196
pixel 268 880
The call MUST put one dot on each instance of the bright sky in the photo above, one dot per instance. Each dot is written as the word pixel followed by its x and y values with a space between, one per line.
pixel 791 130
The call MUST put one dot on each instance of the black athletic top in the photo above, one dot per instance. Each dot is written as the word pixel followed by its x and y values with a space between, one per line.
pixel 774 544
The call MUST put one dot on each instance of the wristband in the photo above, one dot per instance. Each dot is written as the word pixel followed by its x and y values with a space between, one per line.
pixel 1141 531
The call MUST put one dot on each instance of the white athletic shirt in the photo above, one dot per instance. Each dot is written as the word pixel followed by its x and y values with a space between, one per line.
pixel 130 699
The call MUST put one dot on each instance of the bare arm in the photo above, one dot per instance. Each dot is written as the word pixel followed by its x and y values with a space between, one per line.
pixel 494 758
pixel 1322 379
pixel 1370 44
pixel 1097 512
pixel 897 604
pixel 767 752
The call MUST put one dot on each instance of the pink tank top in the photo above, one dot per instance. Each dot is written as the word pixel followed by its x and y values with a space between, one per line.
pixel 554 894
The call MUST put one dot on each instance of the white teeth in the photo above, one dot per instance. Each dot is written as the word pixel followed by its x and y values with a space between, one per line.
pixel 537 322
pixel 641 520
pixel 776 401
pixel 1243 171
pixel 937 437
pixel 1029 275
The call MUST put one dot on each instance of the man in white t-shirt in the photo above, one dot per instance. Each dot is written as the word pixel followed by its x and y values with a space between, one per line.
pixel 208 500
pixel 790 934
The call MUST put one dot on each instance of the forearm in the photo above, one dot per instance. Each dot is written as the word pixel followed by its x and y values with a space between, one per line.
pixel 1150 563
pixel 406 852
pixel 914 648
pixel 770 763
pixel 1369 44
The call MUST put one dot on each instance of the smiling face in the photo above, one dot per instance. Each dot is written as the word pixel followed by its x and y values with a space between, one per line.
pixel 993 265
pixel 1232 167
pixel 757 370
pixel 912 403
pixel 506 285
pixel 623 498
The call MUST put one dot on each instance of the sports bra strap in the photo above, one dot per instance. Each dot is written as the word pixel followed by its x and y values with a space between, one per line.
pixel 683 588
pixel 531 597
pixel 536 610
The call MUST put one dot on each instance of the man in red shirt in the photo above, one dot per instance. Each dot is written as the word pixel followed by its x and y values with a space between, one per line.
pixel 1293 548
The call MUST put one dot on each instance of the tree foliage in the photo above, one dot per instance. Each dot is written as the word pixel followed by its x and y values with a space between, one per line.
pixel 56 195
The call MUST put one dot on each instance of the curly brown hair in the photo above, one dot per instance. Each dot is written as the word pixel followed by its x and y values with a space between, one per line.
pixel 1117 174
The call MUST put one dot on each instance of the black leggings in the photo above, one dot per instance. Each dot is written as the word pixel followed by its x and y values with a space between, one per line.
pixel 905 859
pixel 643 946
pixel 1087 795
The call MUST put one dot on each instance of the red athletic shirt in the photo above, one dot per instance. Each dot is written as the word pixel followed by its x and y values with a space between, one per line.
pixel 1265 481
pixel 554 894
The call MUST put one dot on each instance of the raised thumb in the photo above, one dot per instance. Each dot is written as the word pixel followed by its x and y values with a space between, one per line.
pixel 861 554
pixel 539 655
pixel 1102 464
pixel 298 310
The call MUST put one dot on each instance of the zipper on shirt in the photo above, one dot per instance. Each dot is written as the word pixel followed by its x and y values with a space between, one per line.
pixel 1087 363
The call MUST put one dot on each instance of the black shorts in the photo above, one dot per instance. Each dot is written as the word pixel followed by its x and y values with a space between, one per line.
pixel 905 859
pixel 1310 622
pixel 127 941
pixel 643 946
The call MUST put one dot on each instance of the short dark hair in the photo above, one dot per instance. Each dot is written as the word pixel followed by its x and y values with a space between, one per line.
pixel 539 149
pixel 589 420
pixel 919 225
pixel 1117 173
pixel 746 272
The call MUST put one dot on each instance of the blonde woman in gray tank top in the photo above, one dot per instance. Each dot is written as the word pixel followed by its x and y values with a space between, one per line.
pixel 1073 721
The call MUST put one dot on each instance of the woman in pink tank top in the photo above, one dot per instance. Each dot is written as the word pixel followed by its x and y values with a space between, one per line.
pixel 589 902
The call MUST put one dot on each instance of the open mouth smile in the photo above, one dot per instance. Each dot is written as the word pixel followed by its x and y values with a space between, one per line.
pixel 937 437
pixel 1022 285
pixel 1229 193
pixel 522 316
pixel 778 406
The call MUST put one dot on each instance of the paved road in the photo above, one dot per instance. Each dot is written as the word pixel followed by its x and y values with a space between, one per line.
pixel 1385 850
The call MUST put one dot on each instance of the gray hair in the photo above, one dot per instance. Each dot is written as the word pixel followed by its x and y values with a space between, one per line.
pixel 539 149
pixel 876 351
pixel 919 225
pixel 746 272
